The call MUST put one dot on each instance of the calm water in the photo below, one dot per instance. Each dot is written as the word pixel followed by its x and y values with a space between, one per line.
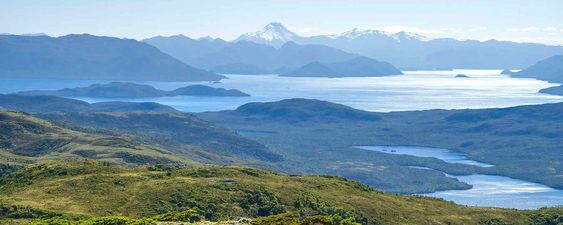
pixel 416 90
pixel 494 191
pixel 439 153
pixel 499 191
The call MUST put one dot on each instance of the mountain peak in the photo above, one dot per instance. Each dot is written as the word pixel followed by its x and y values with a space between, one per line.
pixel 274 32
pixel 403 35
pixel 361 32
pixel 358 32
pixel 276 26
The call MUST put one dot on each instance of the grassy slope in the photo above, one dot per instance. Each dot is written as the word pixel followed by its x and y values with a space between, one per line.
pixel 173 131
pixel 92 189
pixel 523 142
pixel 181 133
pixel 25 139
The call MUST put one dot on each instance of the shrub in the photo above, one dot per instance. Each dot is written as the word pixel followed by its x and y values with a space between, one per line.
pixel 262 202
pixel 190 215
pixel 117 220
pixel 545 219
pixel 24 212
pixel 493 221
pixel 55 221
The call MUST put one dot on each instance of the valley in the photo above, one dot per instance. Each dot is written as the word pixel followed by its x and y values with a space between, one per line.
pixel 242 112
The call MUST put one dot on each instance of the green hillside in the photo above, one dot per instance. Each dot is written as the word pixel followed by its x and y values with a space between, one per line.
pixel 522 142
pixel 25 139
pixel 149 123
pixel 84 189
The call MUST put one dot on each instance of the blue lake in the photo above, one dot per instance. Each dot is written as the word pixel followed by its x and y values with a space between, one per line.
pixel 493 191
pixel 416 90
pixel 442 154
pixel 499 191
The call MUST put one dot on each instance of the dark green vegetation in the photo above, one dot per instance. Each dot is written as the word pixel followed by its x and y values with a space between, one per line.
pixel 145 167
pixel 173 131
pixel 88 57
pixel 296 110
pixel 522 142
pixel 550 69
pixel 290 134
pixel 148 123
pixel 73 191
pixel 25 140
pixel 132 90
pixel 357 67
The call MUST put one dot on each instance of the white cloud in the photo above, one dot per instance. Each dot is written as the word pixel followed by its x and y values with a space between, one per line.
pixel 533 34
pixel 418 30
pixel 532 29
pixel 308 31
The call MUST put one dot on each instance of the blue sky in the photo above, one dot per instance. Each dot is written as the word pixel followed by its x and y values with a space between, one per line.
pixel 516 20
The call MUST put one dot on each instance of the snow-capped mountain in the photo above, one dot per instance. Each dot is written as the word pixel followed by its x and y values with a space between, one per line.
pixel 358 32
pixel 371 33
pixel 274 34
pixel 402 49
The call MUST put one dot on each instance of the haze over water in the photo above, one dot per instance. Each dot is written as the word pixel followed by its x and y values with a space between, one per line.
pixel 416 90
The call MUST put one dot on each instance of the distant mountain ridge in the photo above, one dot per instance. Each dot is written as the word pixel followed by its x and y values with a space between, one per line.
pixel 132 90
pixel 550 69
pixel 357 67
pixel 247 57
pixel 84 56
pixel 408 50
pixel 403 49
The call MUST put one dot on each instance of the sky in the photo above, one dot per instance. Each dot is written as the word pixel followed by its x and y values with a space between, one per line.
pixel 515 20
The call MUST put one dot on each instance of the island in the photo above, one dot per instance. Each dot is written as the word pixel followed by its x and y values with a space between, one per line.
pixel 557 90
pixel 356 67
pixel 506 72
pixel 461 76
pixel 133 90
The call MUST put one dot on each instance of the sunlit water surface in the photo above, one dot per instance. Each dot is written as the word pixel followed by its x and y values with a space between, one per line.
pixel 494 191
pixel 439 153
pixel 416 90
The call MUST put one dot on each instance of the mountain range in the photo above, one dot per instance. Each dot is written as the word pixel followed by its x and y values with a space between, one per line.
pixel 404 50
pixel 247 57
pixel 88 57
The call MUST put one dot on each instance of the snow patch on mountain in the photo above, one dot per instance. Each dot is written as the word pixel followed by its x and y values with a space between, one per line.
pixel 273 32
pixel 361 32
